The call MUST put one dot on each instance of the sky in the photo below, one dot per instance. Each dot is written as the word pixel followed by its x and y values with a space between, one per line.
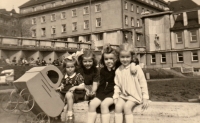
pixel 10 4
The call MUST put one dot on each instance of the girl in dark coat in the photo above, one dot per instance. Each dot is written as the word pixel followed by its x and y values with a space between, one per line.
pixel 105 89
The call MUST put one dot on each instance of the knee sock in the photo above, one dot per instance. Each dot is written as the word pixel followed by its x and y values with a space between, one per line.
pixel 91 117
pixel 129 118
pixel 105 118
pixel 118 118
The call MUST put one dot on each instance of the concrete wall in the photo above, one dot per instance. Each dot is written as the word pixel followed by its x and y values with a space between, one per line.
pixel 157 26
pixel 157 112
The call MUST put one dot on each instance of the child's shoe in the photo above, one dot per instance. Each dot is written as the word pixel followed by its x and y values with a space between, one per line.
pixel 70 119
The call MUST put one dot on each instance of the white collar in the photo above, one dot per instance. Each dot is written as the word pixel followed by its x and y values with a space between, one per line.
pixel 70 76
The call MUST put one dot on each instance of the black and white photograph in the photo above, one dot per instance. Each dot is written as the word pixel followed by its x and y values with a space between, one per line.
pixel 99 61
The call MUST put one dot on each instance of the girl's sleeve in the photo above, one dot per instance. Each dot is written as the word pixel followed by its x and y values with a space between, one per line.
pixel 80 79
pixel 96 76
pixel 117 87
pixel 143 83
pixel 101 77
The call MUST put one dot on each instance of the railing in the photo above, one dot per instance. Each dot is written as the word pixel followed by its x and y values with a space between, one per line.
pixel 38 43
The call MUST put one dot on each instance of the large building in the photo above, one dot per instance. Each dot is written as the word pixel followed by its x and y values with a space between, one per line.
pixel 97 21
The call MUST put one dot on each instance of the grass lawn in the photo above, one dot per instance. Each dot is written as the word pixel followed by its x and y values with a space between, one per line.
pixel 175 90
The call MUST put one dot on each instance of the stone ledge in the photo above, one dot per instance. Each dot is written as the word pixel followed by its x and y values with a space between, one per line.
pixel 158 112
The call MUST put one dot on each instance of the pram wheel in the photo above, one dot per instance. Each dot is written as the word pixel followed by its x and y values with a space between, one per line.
pixel 26 102
pixel 26 118
pixel 9 102
pixel 41 118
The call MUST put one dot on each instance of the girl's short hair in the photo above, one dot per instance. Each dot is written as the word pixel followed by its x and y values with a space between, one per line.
pixel 88 53
pixel 109 50
pixel 65 61
pixel 128 48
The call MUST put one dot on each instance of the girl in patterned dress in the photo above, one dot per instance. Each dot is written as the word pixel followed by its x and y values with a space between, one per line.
pixel 71 83
pixel 130 89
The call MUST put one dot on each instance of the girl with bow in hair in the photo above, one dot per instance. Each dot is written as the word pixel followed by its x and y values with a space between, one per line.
pixel 71 83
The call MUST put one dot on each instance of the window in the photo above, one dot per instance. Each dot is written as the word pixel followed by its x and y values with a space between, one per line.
pixel 125 5
pixel 132 7
pixel 132 21
pixel 43 31
pixel 180 57
pixel 163 58
pixel 137 10
pixel 152 2
pixel 126 20
pixel 193 35
pixel 33 21
pixel 98 8
pixel 138 23
pixel 100 36
pixel 179 37
pixel 43 7
pixel 53 30
pixel 195 56
pixel 138 37
pixel 98 22
pixel 53 4
pixel 63 29
pixel 156 4
pixel 73 12
pixel 87 38
pixel 33 9
pixel 74 26
pixel 143 11
pixel 53 17
pixel 86 24
pixel 34 33
pixel 86 10
pixel 153 58
pixel 63 2
pixel 43 19
pixel 63 15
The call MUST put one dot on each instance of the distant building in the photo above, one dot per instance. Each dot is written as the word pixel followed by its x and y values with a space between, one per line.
pixel 97 21
pixel 182 5
pixel 9 23
pixel 173 39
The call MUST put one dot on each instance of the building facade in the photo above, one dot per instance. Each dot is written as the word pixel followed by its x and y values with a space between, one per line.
pixel 98 21
pixel 173 39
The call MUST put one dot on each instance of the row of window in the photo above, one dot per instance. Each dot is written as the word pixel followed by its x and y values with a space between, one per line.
pixel 64 27
pixel 137 8
pixel 85 9
pixel 53 4
pixel 132 21
pixel 194 57
pixel 192 36
pixel 63 14
pixel 152 2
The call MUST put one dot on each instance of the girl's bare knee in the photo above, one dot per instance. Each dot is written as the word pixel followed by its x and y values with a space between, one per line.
pixel 118 108
pixel 68 95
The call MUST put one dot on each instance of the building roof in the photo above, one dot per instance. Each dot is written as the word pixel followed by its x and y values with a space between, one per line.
pixel 34 2
pixel 181 5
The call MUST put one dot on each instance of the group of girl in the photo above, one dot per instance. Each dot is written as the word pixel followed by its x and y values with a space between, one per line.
pixel 120 83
